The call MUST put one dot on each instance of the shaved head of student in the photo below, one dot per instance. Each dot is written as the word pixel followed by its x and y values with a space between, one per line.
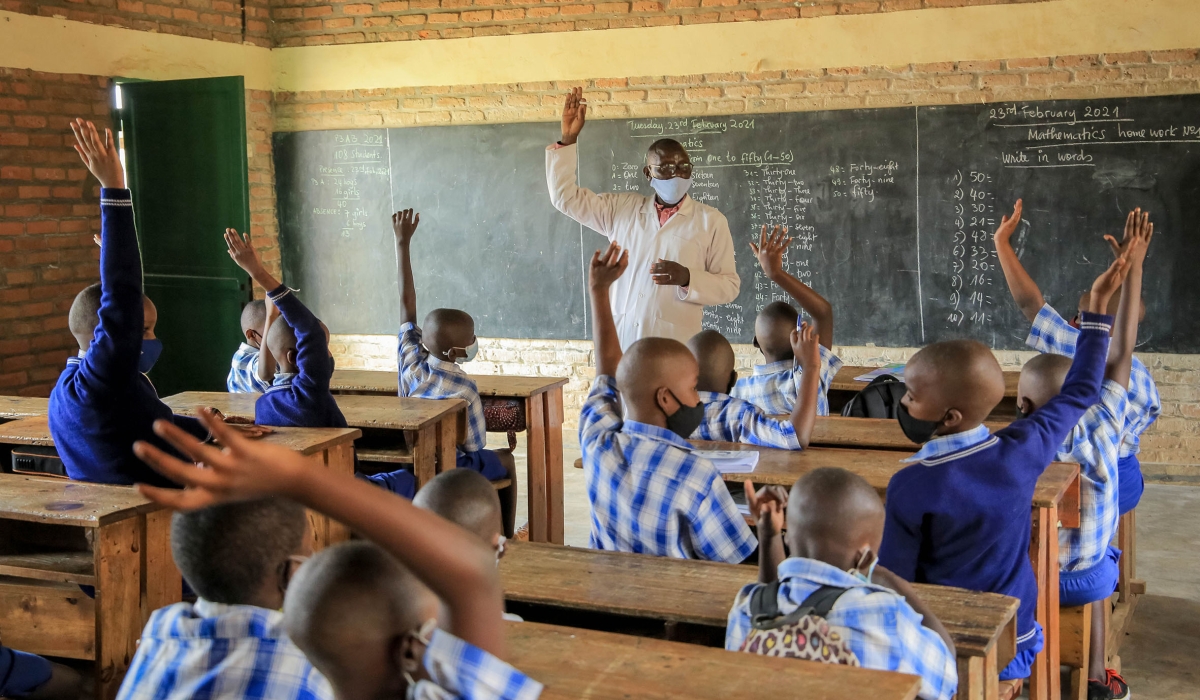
pixel 254 315
pixel 358 615
pixel 773 331
pixel 954 384
pixel 715 356
pixel 467 499
pixel 448 333
pixel 1041 380
pixel 84 316
pixel 836 517
pixel 657 377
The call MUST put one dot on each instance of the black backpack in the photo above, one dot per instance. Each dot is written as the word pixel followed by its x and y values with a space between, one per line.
pixel 879 399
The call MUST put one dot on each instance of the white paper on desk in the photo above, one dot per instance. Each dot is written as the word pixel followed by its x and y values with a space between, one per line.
pixel 731 461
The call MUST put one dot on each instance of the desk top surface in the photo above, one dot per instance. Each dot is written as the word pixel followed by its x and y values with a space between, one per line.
pixel 384 382
pixel 701 592
pixel 58 501
pixel 867 433
pixel 578 663
pixel 844 380
pixel 389 412
pixel 23 406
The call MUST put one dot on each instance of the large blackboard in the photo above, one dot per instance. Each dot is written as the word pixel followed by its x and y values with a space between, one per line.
pixel 892 209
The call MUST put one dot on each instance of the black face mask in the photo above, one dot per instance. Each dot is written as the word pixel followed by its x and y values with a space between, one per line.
pixel 684 421
pixel 915 429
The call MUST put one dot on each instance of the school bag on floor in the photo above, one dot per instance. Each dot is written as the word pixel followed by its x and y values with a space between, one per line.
pixel 879 399
pixel 804 634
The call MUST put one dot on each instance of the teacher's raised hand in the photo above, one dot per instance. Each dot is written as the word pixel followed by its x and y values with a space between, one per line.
pixel 573 117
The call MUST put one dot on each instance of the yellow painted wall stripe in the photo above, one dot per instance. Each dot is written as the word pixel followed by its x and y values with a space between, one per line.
pixel 1058 28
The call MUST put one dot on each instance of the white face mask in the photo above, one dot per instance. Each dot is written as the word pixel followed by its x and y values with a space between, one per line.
pixel 671 191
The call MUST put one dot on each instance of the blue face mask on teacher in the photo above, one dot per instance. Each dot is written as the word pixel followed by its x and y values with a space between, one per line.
pixel 671 191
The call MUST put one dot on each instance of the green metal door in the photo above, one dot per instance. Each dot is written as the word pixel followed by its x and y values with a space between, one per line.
pixel 185 155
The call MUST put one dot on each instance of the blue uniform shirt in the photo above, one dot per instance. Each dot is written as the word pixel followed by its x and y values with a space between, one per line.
pixel 423 376
pixel 774 387
pixel 733 420
pixel 464 671
pixel 301 399
pixel 243 372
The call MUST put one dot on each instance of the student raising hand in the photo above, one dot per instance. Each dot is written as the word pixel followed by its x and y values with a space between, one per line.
pixel 1107 284
pixel 99 154
pixel 768 506
pixel 607 266
pixel 1008 225
pixel 404 225
pixel 246 257
pixel 770 250
pixel 1137 225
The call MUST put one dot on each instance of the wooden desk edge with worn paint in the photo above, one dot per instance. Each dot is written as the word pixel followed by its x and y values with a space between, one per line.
pixel 241 405
pixel 12 407
pixel 385 382
pixel 43 500
pixel 34 430
pixel 312 441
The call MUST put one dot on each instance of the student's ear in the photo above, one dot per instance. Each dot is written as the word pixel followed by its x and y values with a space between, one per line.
pixel 754 342
pixel 253 337
pixel 407 654
pixel 1025 405
pixel 646 172
pixel 953 418
pixel 291 357
pixel 733 376
pixel 664 399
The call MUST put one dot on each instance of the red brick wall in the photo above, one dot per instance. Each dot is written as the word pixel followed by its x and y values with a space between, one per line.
pixel 223 20
pixel 308 22
pixel 49 210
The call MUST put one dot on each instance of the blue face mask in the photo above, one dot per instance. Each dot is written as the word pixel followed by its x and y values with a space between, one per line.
pixel 151 350
pixel 671 191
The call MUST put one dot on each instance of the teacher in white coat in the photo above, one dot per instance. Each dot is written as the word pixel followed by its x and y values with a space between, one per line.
pixel 680 251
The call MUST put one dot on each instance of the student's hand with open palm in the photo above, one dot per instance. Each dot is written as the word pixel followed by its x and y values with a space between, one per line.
pixel 1008 225
pixel 99 154
pixel 243 470
pixel 770 250
pixel 1136 240
pixel 573 117
pixel 768 506
pixel 607 266
pixel 404 226
pixel 242 252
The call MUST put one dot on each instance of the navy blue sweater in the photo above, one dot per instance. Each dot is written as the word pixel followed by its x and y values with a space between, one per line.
pixel 102 403
pixel 963 519
pixel 302 400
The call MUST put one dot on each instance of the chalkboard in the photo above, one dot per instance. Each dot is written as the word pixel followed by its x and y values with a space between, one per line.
pixel 892 211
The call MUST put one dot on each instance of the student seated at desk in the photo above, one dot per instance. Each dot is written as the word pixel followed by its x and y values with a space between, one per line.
pixel 648 492
pixel 1051 333
pixel 366 618
pixel 103 400
pixel 775 386
pixel 959 515
pixel 834 526
pixel 1087 561
pixel 429 359
pixel 239 558
pixel 244 368
pixel 732 419
pixel 30 677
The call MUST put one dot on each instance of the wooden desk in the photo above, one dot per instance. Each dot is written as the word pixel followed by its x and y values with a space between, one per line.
pixel 844 387
pixel 983 625
pixel 542 399
pixel 867 433
pixel 13 407
pixel 576 663
pixel 432 426
pixel 1055 503
pixel 45 557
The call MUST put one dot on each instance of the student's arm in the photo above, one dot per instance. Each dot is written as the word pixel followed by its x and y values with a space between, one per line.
pixel 901 545
pixel 266 361
pixel 884 577
pixel 404 225
pixel 112 357
pixel 1138 232
pixel 768 506
pixel 606 267
pixel 718 282
pixel 806 348
pixel 596 211
pixel 1024 290
pixel 314 366
pixel 769 251
pixel 452 562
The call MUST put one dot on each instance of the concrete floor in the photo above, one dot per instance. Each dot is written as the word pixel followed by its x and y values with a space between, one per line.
pixel 1160 655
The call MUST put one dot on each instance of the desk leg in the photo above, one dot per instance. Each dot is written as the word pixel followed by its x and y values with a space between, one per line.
pixel 1053 643
pixel 425 454
pixel 339 459
pixel 1043 670
pixel 162 584
pixel 118 601
pixel 1127 542
pixel 554 465
pixel 447 446
pixel 970 678
pixel 991 675
pixel 535 468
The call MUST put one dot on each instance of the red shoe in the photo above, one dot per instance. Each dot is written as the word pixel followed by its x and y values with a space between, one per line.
pixel 1117 684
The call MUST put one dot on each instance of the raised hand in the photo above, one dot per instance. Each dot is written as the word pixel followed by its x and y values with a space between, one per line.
pixel 404 225
pixel 1107 284
pixel 1137 228
pixel 1008 225
pixel 768 506
pixel 243 470
pixel 806 347
pixel 670 272
pixel 607 266
pixel 99 154
pixel 242 252
pixel 770 250
pixel 573 117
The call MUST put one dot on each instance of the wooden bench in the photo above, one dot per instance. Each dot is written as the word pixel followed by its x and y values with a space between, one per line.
pixel 576 663
pixel 561 582
pixel 844 387
pixel 541 399
pixel 59 535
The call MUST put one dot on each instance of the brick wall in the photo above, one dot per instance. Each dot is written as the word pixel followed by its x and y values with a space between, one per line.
pixel 222 20
pixel 310 22
pixel 264 229
pixel 49 210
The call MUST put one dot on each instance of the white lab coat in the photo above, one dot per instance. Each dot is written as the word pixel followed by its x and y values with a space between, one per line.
pixel 697 237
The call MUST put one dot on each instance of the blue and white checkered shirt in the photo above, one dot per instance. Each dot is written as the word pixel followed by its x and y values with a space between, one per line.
pixel 423 376
pixel 649 494
pixel 880 627
pixel 470 673
pixel 735 420
pixel 945 444
pixel 209 650
pixel 243 372
pixel 774 387
pixel 1051 333
pixel 1094 444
